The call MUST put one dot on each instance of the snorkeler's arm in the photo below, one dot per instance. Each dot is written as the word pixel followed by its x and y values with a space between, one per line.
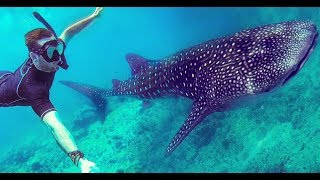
pixel 75 28
pixel 66 142
pixel 60 132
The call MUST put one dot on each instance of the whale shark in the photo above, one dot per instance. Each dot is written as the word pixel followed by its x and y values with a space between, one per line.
pixel 217 72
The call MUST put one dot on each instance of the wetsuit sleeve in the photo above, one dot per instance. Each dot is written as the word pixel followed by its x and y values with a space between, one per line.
pixel 39 100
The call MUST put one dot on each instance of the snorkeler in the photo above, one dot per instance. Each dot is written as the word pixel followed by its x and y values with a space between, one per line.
pixel 29 85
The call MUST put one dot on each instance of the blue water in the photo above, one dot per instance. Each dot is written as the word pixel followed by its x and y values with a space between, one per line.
pixel 96 55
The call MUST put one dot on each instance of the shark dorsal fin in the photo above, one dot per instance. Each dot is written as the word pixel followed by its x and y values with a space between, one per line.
pixel 138 63
pixel 116 84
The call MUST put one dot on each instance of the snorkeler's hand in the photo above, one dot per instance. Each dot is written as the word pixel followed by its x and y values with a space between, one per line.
pixel 87 166
pixel 97 12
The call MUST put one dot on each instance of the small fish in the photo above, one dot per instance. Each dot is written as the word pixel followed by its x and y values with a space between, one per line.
pixel 218 72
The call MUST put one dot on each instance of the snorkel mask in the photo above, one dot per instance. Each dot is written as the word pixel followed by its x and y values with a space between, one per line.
pixel 54 48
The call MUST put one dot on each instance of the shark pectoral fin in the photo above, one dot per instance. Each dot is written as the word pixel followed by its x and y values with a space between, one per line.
pixel 137 63
pixel 199 111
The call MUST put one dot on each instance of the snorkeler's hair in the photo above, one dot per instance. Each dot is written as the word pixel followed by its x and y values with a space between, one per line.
pixel 33 36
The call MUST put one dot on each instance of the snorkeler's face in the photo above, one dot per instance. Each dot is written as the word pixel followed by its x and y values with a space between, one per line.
pixel 51 49
pixel 39 60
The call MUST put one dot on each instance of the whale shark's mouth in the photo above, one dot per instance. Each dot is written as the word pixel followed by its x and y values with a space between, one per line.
pixel 303 60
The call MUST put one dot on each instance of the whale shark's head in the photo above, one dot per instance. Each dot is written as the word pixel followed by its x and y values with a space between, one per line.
pixel 278 51
pixel 302 38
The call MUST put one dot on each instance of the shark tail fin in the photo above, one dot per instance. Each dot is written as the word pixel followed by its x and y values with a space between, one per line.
pixel 95 94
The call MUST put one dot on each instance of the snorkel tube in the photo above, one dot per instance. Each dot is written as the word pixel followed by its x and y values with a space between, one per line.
pixel 64 63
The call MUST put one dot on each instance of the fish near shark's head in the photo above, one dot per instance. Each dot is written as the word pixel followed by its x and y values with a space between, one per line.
pixel 291 44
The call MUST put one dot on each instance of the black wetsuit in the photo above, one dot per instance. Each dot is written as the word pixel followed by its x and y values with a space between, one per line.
pixel 27 86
